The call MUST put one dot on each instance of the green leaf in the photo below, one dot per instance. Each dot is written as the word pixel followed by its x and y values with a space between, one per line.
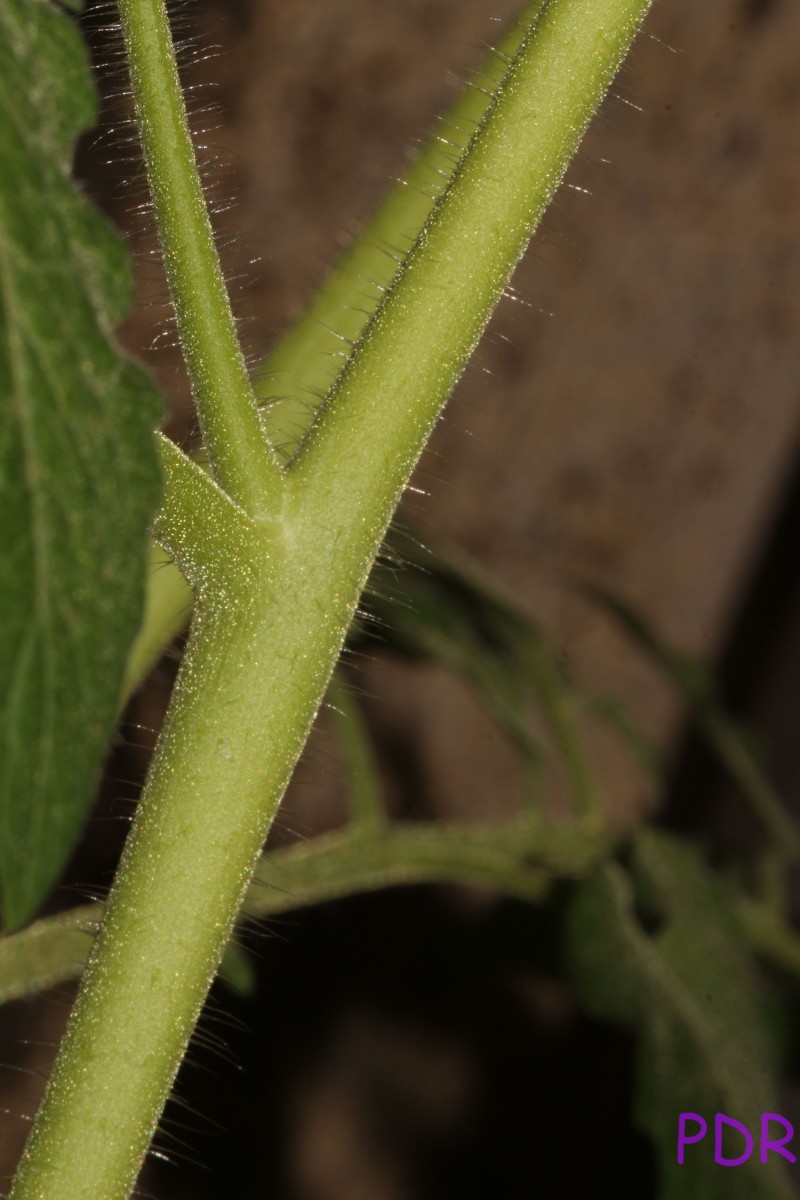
pixel 78 473
pixel 662 949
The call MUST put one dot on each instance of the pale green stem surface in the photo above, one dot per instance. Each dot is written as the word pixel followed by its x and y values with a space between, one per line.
pixel 241 458
pixel 275 600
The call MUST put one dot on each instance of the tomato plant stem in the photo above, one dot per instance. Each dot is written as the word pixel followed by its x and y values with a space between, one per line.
pixel 274 599
pixel 241 458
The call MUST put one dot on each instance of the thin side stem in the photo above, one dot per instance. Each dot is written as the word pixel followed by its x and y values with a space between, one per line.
pixel 50 951
pixel 242 461
pixel 364 800
pixel 561 710
pixel 54 950
pixel 298 370
pixel 521 858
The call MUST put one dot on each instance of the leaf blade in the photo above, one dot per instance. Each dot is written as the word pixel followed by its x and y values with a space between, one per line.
pixel 78 472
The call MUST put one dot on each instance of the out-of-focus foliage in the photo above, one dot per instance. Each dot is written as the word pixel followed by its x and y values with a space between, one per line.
pixel 658 946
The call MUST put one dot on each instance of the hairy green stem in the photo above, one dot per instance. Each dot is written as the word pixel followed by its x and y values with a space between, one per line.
pixel 241 458
pixel 183 875
pixel 274 600
pixel 297 372
pixel 391 391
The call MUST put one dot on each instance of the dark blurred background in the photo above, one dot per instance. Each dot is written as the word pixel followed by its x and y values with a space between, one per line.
pixel 633 423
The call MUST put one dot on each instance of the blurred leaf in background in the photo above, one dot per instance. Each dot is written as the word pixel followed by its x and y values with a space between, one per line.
pixel 657 945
